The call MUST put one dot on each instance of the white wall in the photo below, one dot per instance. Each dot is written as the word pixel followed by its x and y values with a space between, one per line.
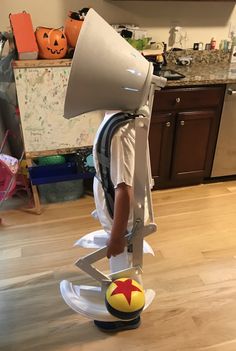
pixel 201 20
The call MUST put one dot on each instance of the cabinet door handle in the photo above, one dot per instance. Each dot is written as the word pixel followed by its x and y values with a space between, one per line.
pixel 178 100
pixel 182 123
pixel 167 124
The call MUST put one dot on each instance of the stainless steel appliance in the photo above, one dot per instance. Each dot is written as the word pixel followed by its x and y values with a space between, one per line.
pixel 224 163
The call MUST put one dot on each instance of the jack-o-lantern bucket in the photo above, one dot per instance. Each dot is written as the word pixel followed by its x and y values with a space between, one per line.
pixel 73 26
pixel 52 42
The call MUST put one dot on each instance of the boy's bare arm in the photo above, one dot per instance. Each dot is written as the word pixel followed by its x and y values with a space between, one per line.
pixel 116 244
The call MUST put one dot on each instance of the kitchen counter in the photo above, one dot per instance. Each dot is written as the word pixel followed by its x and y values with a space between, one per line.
pixel 204 74
pixel 195 74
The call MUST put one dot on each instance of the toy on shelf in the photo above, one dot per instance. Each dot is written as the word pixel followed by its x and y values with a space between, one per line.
pixel 52 42
pixel 23 31
pixel 73 24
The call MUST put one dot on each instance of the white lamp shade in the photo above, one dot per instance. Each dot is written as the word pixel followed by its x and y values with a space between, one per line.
pixel 107 73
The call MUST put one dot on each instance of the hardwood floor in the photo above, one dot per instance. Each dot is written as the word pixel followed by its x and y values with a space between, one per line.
pixel 193 272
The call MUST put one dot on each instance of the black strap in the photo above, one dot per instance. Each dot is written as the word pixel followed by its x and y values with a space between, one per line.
pixel 103 150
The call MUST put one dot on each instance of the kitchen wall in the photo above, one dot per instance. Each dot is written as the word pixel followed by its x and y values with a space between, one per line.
pixel 201 20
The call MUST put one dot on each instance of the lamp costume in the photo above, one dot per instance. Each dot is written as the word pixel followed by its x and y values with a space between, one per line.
pixel 121 155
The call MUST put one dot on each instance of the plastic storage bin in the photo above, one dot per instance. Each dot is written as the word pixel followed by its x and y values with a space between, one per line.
pixel 61 191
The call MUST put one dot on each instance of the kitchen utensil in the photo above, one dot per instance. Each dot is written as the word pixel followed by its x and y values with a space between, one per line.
pixel 184 60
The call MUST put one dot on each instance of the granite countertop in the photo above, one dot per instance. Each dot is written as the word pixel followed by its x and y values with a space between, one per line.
pixel 204 74
pixel 207 68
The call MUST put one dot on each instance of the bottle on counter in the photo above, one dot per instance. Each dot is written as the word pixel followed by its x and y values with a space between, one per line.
pixel 221 45
pixel 229 46
pixel 234 41
pixel 213 43
pixel 159 61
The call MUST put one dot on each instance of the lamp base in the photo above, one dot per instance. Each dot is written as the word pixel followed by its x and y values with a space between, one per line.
pixel 90 301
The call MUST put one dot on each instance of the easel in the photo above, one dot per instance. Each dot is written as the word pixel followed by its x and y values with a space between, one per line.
pixel 41 86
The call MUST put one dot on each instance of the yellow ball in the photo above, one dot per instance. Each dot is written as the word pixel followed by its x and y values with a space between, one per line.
pixel 125 298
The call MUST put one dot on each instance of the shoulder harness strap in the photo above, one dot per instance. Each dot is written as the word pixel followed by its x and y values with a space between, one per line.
pixel 103 150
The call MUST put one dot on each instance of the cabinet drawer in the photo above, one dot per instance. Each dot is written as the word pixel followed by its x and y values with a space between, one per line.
pixel 187 98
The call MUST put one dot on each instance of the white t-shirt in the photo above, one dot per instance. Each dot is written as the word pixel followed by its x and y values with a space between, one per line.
pixel 121 168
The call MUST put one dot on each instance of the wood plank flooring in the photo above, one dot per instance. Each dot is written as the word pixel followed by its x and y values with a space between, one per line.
pixel 193 273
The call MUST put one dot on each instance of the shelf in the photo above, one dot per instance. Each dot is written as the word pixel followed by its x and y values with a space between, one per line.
pixel 41 63
pixel 57 173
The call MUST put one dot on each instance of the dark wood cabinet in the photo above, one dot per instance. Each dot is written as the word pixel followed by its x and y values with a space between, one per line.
pixel 160 141
pixel 183 134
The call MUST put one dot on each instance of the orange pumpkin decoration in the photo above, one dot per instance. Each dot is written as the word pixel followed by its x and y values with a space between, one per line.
pixel 52 42
pixel 72 28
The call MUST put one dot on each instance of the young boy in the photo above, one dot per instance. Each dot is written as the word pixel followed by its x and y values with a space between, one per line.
pixel 122 174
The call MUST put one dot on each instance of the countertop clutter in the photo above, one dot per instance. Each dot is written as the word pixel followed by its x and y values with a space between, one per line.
pixel 206 67
pixel 204 74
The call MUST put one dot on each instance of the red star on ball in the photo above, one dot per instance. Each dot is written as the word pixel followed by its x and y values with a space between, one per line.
pixel 125 287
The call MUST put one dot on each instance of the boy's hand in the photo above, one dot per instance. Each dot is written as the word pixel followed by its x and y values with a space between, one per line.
pixel 115 246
